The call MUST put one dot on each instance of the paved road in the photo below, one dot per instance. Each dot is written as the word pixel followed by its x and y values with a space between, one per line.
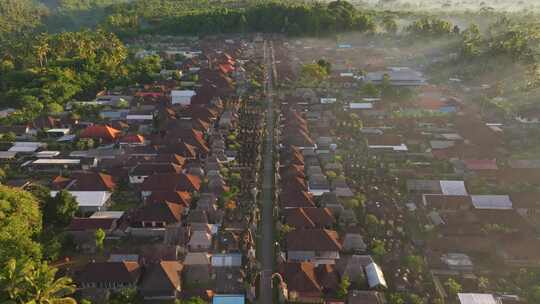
pixel 267 247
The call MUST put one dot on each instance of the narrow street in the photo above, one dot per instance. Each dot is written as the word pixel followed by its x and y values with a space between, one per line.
pixel 267 246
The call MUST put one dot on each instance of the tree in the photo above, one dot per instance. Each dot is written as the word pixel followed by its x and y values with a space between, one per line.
pixel 20 225
pixel 534 294
pixel 483 284
pixel 60 209
pixel 395 298
pixel 343 288
pixel 326 65
pixel 390 25
pixel 312 73
pixel 416 299
pixel 415 263
pixel 378 250
pixel 453 287
pixel 193 300
pixel 370 90
pixel 34 282
pixel 54 108
pixel 100 238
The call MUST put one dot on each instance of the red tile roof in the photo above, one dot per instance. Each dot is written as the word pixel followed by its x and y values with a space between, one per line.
pixel 121 272
pixel 308 218
pixel 295 198
pixel 313 240
pixel 132 139
pixel 171 182
pixel 167 212
pixel 176 197
pixel 100 132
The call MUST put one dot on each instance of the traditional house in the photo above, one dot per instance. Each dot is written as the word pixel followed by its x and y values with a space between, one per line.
pixel 319 246
pixel 162 281
pixel 110 275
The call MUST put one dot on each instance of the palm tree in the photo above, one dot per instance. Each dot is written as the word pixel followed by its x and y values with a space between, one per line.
pixel 45 288
pixel 35 284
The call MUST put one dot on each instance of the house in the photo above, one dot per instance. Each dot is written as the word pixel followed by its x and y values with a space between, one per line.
pixel 132 140
pixel 200 241
pixel 320 246
pixel 103 133
pixel 85 181
pixel 170 182
pixel 318 184
pixel 55 165
pixel 182 97
pixel 83 229
pixel 308 283
pixel 157 215
pixel 162 281
pixel 353 266
pixel 197 268
pixel 176 197
pixel 354 242
pixel 90 201
pixel 26 147
pixel 110 275
pixel 292 198
pixel 141 172
pixel 309 218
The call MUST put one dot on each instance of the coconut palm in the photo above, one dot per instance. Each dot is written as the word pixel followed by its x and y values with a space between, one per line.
pixel 31 283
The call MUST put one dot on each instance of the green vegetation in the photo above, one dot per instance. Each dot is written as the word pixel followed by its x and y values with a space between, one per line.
pixel 24 277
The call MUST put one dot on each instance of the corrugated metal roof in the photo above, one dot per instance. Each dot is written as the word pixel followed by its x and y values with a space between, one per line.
pixel 227 260
pixel 375 276
pixel 477 298
pixel 453 187
pixel 498 202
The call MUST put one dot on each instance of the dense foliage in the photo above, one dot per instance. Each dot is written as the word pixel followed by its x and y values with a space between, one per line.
pixel 20 225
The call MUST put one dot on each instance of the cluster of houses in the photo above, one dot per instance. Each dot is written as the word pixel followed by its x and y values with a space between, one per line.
pixel 156 179
pixel 320 247
pixel 476 205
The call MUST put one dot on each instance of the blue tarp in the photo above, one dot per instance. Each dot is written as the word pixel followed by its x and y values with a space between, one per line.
pixel 229 299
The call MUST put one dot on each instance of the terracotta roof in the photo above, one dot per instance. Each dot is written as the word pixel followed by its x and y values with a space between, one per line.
pixel 294 182
pixel 100 132
pixel 313 240
pixel 172 182
pixel 122 272
pixel 88 181
pixel 147 169
pixel 301 277
pixel 183 149
pixel 160 212
pixel 82 224
pixel 176 197
pixel 308 218
pixel 294 198
pixel 132 139
pixel 164 277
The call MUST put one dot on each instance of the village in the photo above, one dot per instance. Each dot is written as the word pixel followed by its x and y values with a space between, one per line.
pixel 265 169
